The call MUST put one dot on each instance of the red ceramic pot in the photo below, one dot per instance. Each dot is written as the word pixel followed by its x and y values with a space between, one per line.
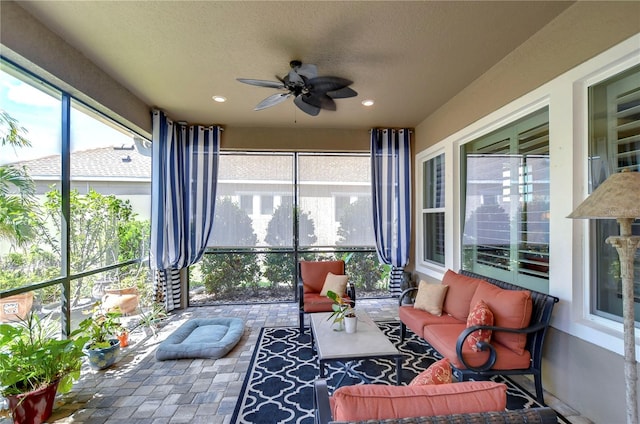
pixel 33 407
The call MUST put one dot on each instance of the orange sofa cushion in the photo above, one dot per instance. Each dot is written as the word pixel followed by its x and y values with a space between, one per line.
pixel 443 339
pixel 458 299
pixel 379 402
pixel 417 319
pixel 511 309
pixel 314 273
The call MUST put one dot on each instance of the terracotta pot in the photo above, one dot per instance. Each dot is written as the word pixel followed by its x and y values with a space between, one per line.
pixel 33 407
pixel 124 300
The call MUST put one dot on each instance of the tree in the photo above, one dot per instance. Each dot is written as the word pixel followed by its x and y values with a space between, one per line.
pixel 228 273
pixel 18 205
pixel 364 268
pixel 279 267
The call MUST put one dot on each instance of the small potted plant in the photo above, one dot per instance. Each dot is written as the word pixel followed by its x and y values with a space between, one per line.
pixel 103 346
pixel 343 313
pixel 150 318
pixel 35 365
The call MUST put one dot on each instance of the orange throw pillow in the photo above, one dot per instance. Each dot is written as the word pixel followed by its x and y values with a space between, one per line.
pixel 438 373
pixel 479 315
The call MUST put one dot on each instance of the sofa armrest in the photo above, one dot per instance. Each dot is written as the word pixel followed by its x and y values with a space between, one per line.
pixel 321 404
pixel 351 292
pixel 407 293
pixel 488 346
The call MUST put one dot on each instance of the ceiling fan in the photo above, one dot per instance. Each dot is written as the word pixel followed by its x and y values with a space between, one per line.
pixel 311 93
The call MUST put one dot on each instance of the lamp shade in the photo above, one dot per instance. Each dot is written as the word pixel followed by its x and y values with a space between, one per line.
pixel 617 197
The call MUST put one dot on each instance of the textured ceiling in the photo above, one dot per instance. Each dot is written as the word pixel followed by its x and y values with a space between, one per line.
pixel 410 57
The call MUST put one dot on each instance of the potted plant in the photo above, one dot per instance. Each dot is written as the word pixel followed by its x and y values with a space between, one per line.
pixel 35 364
pixel 103 346
pixel 343 313
pixel 150 318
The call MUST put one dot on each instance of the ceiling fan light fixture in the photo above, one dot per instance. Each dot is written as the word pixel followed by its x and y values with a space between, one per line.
pixel 368 103
pixel 219 99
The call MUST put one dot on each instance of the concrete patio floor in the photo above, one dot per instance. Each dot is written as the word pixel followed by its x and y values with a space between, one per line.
pixel 139 389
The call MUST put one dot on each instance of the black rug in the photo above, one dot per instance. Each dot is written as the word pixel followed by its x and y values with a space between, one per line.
pixel 278 387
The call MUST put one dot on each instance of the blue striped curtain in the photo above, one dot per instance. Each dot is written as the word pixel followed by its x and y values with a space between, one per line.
pixel 391 199
pixel 183 191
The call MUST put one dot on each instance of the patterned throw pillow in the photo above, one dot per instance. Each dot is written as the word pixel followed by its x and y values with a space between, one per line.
pixel 438 373
pixel 479 315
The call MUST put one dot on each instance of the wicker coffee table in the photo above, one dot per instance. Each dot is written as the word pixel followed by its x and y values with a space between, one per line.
pixel 339 346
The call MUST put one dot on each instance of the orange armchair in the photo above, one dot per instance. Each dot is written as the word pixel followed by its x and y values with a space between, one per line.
pixel 311 278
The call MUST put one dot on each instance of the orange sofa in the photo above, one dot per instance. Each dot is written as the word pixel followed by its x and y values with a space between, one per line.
pixel 384 403
pixel 515 337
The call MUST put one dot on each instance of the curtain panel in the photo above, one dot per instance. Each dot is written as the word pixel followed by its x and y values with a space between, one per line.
pixel 391 199
pixel 183 191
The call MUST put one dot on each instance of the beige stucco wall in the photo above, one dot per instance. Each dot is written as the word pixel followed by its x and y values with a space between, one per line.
pixel 584 375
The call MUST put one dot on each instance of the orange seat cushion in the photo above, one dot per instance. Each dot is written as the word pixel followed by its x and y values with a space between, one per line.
pixel 443 338
pixel 457 302
pixel 314 273
pixel 511 309
pixel 379 402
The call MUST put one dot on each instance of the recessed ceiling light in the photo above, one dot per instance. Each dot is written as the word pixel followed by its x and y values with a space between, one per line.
pixel 368 102
pixel 219 99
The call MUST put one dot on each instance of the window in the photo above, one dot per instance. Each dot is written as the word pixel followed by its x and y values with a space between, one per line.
pixel 614 144
pixel 246 203
pixel 506 222
pixel 320 209
pixel 433 210
pixel 94 173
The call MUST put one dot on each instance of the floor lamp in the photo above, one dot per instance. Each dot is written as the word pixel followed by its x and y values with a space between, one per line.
pixel 618 197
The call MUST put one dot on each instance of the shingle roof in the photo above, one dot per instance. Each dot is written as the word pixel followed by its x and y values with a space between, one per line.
pixel 124 163
pixel 95 163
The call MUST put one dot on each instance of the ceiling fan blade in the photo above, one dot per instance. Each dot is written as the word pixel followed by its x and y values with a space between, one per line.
pixel 342 93
pixel 307 70
pixel 261 83
pixel 272 100
pixel 325 84
pixel 294 77
pixel 306 107
pixel 319 100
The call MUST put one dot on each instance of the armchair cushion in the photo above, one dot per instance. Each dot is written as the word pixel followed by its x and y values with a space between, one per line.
pixel 314 273
pixel 335 283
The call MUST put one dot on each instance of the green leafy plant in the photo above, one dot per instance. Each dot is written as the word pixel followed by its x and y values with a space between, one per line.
pixel 32 357
pixel 341 308
pixel 101 327
pixel 150 317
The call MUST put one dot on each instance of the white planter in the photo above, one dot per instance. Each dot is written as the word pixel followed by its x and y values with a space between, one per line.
pixel 350 324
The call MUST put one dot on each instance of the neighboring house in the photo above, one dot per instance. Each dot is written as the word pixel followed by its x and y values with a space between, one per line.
pixel 126 173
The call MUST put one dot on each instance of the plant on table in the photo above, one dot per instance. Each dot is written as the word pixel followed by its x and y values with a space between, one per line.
pixel 341 308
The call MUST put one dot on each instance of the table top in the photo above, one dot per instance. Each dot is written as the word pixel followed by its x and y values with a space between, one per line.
pixel 367 342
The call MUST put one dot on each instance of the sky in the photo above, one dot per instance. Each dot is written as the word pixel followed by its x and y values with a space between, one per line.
pixel 40 114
